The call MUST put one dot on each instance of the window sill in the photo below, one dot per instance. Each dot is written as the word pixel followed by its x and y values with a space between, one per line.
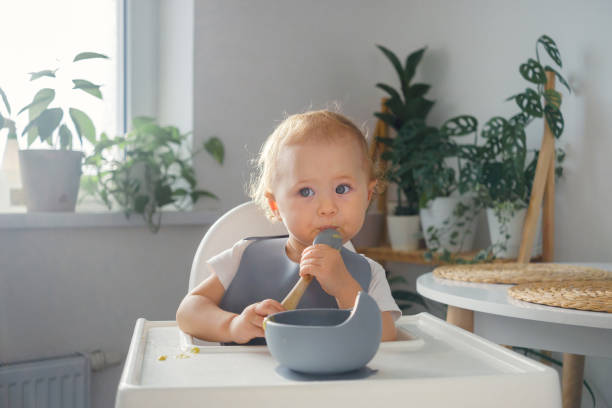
pixel 23 220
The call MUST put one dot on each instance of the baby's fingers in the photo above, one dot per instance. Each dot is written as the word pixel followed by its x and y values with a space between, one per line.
pixel 313 251
pixel 267 307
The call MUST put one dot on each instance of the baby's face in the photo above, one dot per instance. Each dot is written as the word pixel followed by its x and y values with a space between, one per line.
pixel 321 185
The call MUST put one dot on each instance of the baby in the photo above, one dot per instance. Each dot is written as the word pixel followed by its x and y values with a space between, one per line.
pixel 314 173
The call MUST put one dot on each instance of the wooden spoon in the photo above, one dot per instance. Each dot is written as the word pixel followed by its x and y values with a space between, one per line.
pixel 329 237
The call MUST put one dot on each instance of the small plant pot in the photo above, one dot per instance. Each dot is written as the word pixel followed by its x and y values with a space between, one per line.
pixel 509 248
pixel 404 232
pixel 449 230
pixel 50 179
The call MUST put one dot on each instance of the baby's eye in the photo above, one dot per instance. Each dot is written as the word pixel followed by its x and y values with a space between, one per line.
pixel 306 192
pixel 343 189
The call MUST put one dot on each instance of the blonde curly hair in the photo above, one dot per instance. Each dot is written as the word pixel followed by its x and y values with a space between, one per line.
pixel 320 125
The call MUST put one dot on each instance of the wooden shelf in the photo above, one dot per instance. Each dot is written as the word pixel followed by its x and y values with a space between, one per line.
pixel 387 254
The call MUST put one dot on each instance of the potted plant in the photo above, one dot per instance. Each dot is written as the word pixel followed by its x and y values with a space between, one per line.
pixel 502 169
pixel 50 177
pixel 148 169
pixel 407 112
pixel 448 213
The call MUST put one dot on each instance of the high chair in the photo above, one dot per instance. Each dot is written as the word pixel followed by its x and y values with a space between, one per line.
pixel 244 220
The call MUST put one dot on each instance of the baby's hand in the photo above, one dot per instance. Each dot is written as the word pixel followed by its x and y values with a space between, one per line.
pixel 248 324
pixel 326 264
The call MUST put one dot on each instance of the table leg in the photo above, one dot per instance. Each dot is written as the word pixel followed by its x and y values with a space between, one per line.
pixel 459 317
pixel 573 374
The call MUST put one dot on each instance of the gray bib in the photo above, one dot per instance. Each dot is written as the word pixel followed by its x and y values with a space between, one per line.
pixel 265 272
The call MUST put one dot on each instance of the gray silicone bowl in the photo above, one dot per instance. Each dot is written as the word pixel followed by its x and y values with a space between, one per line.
pixel 326 341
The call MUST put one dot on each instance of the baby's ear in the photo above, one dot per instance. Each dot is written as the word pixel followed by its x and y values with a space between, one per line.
pixel 272 204
pixel 371 187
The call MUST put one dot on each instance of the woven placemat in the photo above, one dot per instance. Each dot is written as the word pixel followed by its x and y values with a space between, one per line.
pixel 515 273
pixel 594 295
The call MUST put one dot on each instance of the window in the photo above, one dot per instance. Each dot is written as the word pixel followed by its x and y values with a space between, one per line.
pixel 41 34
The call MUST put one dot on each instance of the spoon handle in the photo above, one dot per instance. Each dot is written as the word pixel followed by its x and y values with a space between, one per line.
pixel 329 237
pixel 292 299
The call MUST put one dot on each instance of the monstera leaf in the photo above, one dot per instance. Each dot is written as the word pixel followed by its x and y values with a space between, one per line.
pixel 551 49
pixel 559 77
pixel 494 127
pixel 532 71
pixel 552 97
pixel 529 102
pixel 554 120
pixel 460 125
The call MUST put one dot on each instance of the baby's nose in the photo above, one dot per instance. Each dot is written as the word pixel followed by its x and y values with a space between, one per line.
pixel 327 207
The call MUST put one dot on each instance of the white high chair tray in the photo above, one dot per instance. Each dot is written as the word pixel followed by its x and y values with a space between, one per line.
pixel 439 365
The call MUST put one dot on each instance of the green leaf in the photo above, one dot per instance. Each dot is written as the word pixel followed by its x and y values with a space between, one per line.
pixel 418 90
pixel 196 194
pixel 394 61
pixel 494 127
pixel 532 71
pixel 65 136
pixel 214 146
pixel 41 101
pixel 1 121
pixel 559 77
pixel 140 203
pixel 44 73
pixel 83 125
pixel 187 174
pixel 412 61
pixel 389 119
pixel 420 107
pixel 140 121
pixel 88 87
pixel 6 103
pixel 553 97
pixel 551 49
pixel 46 123
pixel 520 118
pixel 180 192
pixel 88 55
pixel 460 125
pixel 163 194
pixel 554 118
pixel 392 92
pixel 529 102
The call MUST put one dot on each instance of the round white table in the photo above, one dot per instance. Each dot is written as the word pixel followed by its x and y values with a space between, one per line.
pixel 488 310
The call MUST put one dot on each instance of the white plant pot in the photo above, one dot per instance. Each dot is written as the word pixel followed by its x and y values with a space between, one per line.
pixel 50 179
pixel 404 231
pixel 454 234
pixel 515 230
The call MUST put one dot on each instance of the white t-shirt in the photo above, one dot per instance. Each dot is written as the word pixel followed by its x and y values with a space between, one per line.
pixel 225 265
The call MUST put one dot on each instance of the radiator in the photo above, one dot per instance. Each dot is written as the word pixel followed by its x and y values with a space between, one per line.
pixel 54 383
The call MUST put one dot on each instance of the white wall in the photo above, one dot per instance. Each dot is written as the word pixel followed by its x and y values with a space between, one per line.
pixel 254 61
pixel 78 290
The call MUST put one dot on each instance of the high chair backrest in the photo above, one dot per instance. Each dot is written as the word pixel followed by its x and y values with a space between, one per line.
pixel 245 220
